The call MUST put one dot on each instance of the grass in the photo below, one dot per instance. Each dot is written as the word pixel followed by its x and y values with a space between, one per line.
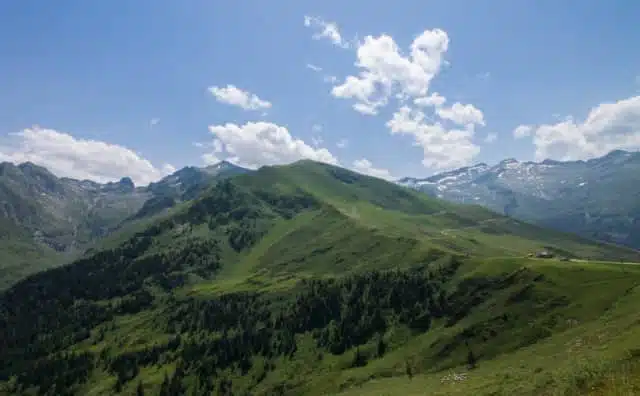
pixel 594 350
pixel 20 256
pixel 592 347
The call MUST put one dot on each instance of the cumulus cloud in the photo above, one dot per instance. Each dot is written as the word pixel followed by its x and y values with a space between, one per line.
pixel 262 143
pixel 435 99
pixel 607 127
pixel 442 148
pixel 365 166
pixel 324 29
pixel 462 114
pixel 522 131
pixel 68 156
pixel 385 72
pixel 235 96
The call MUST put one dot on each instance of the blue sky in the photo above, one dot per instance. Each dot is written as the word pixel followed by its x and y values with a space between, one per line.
pixel 123 87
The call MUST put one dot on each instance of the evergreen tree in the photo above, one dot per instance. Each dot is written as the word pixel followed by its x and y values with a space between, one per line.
pixel 471 357
pixel 140 389
pixel 381 347
pixel 408 369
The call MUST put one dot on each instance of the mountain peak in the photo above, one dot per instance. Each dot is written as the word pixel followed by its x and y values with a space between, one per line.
pixel 33 168
pixel 508 161
pixel 224 164
pixel 126 182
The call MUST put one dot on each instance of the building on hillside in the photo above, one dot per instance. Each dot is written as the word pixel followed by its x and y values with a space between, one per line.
pixel 544 254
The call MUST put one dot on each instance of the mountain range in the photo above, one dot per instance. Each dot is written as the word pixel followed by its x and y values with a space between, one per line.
pixel 306 279
pixel 598 198
pixel 48 220
pixel 55 219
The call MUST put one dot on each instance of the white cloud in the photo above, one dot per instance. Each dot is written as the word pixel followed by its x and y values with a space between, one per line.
pixel 328 78
pixel 234 96
pixel 462 114
pixel 262 143
pixel 484 76
pixel 366 109
pixel 386 74
pixel 385 70
pixel 153 122
pixel 316 128
pixel 608 126
pixel 442 148
pixel 365 166
pixel 342 143
pixel 522 131
pixel 491 137
pixel 210 158
pixel 327 30
pixel 67 156
pixel 435 99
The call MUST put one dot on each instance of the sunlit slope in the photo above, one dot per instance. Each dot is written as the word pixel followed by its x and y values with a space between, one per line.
pixel 300 279
pixel 375 207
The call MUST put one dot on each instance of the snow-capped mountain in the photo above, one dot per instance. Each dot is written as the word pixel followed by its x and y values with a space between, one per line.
pixel 598 198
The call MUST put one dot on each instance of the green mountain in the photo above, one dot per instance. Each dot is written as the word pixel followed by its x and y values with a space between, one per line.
pixel 311 279
pixel 50 220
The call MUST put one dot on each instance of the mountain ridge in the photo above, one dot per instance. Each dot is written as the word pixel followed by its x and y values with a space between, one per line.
pixel 593 198
pixel 55 219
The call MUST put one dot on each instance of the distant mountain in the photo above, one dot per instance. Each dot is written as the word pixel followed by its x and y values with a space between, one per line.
pixel 598 198
pixel 58 217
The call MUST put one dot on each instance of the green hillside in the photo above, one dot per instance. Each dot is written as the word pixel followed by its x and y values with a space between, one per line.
pixel 311 279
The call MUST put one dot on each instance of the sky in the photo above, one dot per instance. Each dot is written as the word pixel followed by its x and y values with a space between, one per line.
pixel 102 90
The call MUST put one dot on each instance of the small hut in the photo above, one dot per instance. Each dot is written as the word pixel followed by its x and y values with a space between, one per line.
pixel 544 254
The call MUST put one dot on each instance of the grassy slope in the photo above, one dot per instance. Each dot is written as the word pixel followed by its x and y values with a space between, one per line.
pixel 391 210
pixel 20 256
pixel 594 347
pixel 359 224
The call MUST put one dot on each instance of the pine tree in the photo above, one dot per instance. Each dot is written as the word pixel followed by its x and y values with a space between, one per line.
pixel 409 369
pixel 140 389
pixel 382 347
pixel 164 388
pixel 471 357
